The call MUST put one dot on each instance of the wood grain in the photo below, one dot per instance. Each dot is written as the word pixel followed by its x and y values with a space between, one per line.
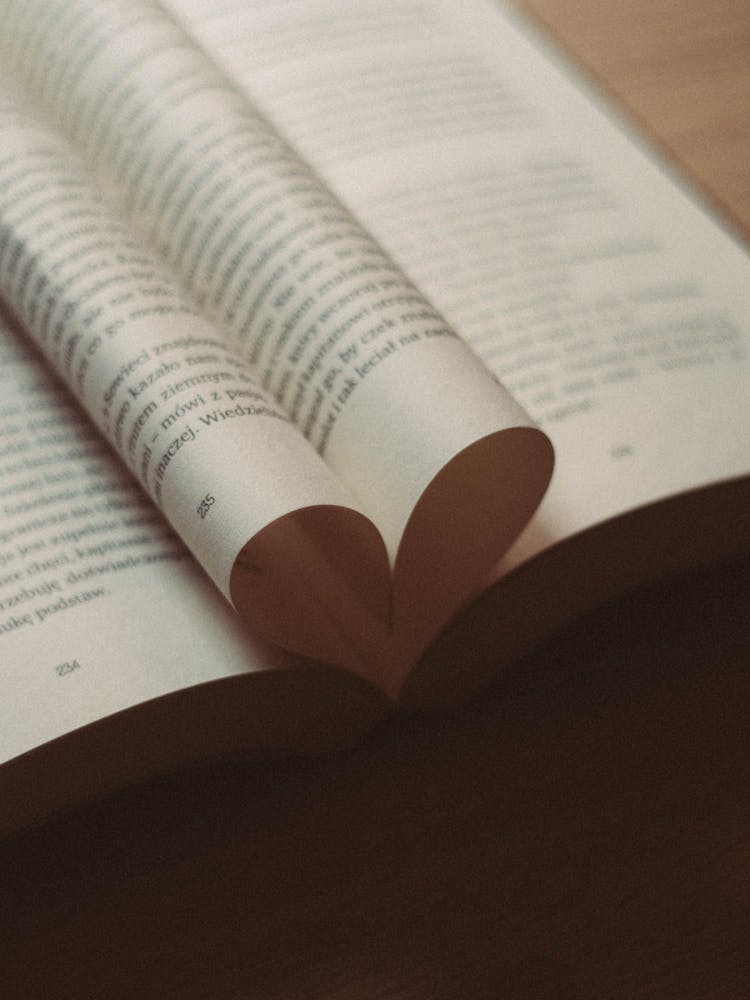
pixel 583 831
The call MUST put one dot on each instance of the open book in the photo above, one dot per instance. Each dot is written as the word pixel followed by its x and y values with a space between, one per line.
pixel 301 300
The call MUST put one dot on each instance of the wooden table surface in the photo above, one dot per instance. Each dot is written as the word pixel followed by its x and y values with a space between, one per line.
pixel 582 831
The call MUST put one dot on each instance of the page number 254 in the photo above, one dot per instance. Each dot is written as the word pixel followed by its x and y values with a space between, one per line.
pixel 63 669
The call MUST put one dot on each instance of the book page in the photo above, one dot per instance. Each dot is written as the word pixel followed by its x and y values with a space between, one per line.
pixel 101 606
pixel 607 300
pixel 340 340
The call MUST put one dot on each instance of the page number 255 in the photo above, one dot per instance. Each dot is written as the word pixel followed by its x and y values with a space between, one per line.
pixel 205 505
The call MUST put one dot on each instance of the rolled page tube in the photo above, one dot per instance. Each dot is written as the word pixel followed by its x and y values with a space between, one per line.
pixel 183 410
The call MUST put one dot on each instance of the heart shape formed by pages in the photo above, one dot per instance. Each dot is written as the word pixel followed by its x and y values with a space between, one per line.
pixel 319 581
